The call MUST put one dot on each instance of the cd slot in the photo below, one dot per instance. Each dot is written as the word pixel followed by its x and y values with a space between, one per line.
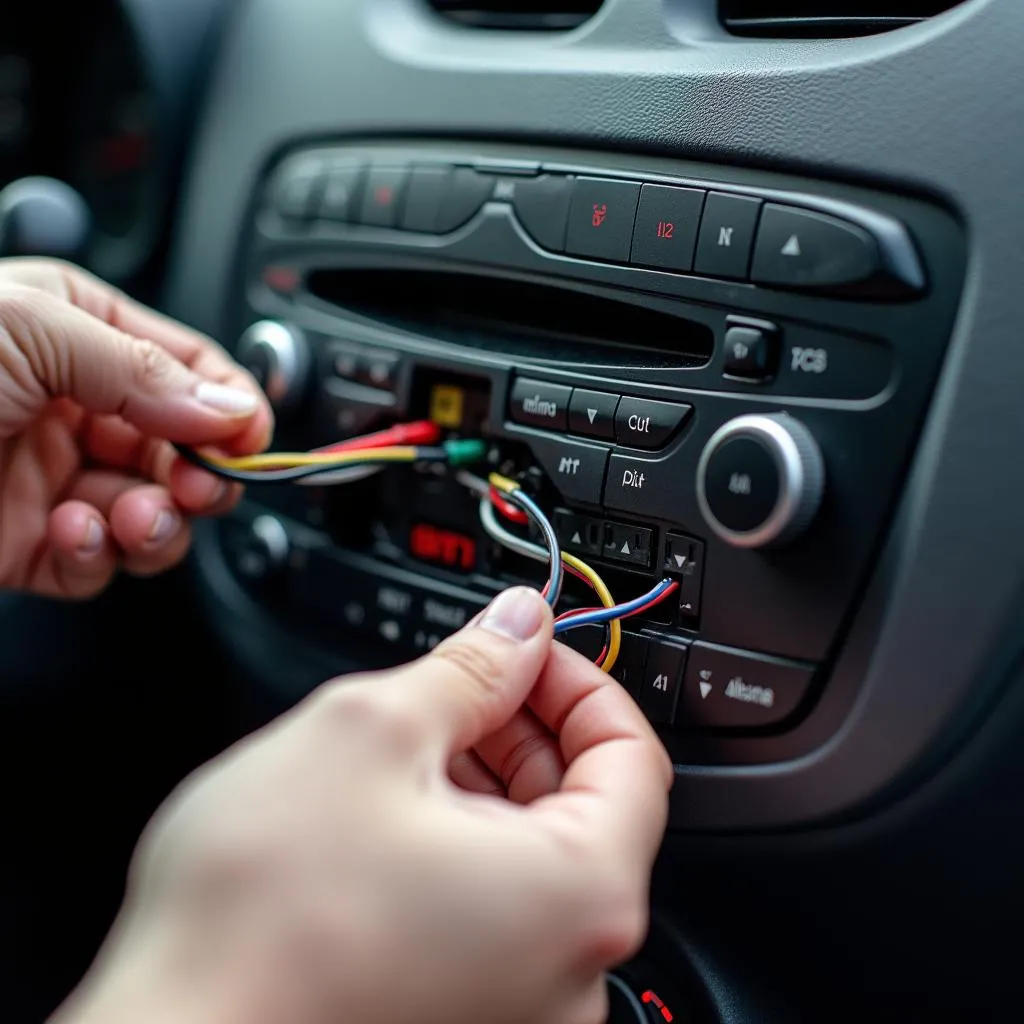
pixel 538 322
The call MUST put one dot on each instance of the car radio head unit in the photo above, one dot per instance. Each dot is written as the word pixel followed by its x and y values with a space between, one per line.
pixel 701 374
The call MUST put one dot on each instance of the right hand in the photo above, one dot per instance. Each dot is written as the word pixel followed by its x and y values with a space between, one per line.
pixel 354 863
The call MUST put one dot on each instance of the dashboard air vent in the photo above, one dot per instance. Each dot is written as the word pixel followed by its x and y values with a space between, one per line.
pixel 522 15
pixel 825 19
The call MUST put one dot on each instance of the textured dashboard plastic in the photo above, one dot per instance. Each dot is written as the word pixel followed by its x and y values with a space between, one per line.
pixel 916 111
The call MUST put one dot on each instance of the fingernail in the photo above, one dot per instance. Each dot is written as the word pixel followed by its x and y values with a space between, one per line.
pixel 233 401
pixel 517 614
pixel 92 539
pixel 165 524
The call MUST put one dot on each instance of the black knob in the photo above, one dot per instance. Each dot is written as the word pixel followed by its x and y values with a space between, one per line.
pixel 43 217
pixel 263 549
pixel 760 480
pixel 277 355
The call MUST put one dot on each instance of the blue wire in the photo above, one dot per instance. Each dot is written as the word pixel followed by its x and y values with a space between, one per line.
pixel 607 614
pixel 533 510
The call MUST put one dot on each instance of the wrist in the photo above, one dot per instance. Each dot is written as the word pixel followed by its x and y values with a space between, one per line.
pixel 145 975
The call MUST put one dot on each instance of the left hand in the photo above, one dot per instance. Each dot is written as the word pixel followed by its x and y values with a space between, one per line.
pixel 93 386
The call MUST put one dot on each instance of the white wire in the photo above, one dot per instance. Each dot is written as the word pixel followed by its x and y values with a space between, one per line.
pixel 497 532
pixel 345 475
pixel 477 485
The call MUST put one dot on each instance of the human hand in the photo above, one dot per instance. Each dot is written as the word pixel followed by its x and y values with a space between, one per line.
pixel 92 388
pixel 352 863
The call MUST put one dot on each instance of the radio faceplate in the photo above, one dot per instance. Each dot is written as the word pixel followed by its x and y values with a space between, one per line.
pixel 747 415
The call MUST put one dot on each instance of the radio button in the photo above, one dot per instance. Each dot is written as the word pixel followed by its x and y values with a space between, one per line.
pixel 297 187
pixel 583 535
pixel 592 414
pixel 661 682
pixel 338 200
pixel 732 690
pixel 629 668
pixel 576 469
pixel 423 196
pixel 537 403
pixel 629 544
pixel 542 206
pixel 726 236
pixel 751 352
pixel 382 196
pixel 642 423
pixel 466 192
pixel 802 249
pixel 665 232
pixel 601 219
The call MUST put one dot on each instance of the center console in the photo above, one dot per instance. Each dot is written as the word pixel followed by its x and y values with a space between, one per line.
pixel 702 373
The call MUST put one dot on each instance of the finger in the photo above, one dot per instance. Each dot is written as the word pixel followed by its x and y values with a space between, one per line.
pixel 471 685
pixel 469 773
pixel 618 774
pixel 81 559
pixel 117 444
pixel 199 353
pixel 199 492
pixel 524 754
pixel 149 530
pixel 51 350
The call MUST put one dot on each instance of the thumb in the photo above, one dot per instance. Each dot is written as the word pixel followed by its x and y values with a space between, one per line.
pixel 50 349
pixel 471 685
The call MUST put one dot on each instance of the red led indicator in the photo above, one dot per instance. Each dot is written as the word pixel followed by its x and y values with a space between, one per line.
pixel 281 279
pixel 442 547
pixel 383 195
pixel 651 997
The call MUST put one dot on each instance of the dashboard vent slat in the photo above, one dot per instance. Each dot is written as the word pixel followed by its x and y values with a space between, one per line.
pixel 825 19
pixel 518 15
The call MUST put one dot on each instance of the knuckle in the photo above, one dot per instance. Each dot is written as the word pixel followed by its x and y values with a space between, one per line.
pixel 29 353
pixel 358 709
pixel 150 365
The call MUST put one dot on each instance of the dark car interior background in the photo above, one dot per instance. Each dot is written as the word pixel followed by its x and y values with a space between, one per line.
pixel 730 286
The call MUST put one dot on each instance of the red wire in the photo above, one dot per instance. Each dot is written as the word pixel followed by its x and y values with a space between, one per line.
pixel 506 508
pixel 420 432
pixel 637 611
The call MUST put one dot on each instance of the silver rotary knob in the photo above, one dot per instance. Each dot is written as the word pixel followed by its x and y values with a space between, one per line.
pixel 760 480
pixel 278 356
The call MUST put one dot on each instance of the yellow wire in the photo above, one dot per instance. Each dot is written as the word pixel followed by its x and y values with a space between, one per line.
pixel 288 460
pixel 615 626
pixel 505 485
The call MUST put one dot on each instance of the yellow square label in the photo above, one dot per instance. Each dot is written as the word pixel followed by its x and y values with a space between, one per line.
pixel 446 406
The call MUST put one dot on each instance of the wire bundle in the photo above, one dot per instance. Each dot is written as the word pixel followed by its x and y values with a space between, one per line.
pixel 419 443
pixel 609 614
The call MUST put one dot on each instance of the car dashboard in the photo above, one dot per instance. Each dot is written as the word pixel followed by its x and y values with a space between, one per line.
pixel 728 288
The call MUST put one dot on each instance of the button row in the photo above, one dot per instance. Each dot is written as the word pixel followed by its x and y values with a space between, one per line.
pixel 700 686
pixel 616 542
pixel 430 198
pixel 391 610
pixel 705 230
pixel 357 393
pixel 717 234
pixel 632 422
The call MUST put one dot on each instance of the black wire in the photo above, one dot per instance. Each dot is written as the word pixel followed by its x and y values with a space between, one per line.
pixel 283 476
